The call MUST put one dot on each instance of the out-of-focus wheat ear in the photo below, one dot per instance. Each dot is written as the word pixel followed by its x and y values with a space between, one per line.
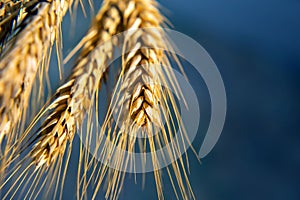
pixel 45 149
pixel 141 102
pixel 33 33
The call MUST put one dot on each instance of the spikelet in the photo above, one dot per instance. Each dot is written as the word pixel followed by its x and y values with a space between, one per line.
pixel 53 140
pixel 139 106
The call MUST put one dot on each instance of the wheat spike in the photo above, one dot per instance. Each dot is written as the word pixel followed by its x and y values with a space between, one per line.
pixel 71 101
pixel 74 98
pixel 141 104
pixel 28 31
pixel 36 25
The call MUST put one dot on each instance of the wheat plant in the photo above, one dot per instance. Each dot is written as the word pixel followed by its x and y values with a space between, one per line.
pixel 35 161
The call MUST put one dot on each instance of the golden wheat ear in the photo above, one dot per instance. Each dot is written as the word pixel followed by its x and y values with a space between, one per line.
pixel 44 154
pixel 33 26
pixel 141 102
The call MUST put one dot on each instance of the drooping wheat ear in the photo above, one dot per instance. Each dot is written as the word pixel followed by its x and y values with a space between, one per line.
pixel 29 31
pixel 71 102
pixel 74 99
pixel 141 102
pixel 35 28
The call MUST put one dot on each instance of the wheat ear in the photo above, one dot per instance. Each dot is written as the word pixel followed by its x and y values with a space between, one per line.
pixel 35 31
pixel 33 26
pixel 74 98
pixel 141 104
pixel 71 102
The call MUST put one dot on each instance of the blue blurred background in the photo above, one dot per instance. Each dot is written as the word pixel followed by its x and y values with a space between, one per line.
pixel 256 46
